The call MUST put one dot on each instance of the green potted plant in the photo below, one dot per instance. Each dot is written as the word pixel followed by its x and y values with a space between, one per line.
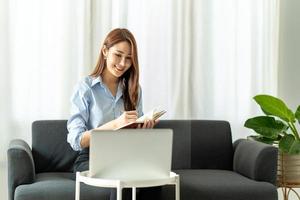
pixel 278 127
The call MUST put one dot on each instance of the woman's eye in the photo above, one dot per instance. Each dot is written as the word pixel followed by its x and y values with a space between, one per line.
pixel 128 58
pixel 118 55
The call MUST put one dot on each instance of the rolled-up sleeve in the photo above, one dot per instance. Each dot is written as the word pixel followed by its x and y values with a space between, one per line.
pixel 77 123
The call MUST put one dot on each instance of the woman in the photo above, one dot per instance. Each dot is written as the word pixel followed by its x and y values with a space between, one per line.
pixel 109 98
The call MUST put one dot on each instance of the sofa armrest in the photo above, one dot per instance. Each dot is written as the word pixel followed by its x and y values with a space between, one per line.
pixel 20 166
pixel 255 160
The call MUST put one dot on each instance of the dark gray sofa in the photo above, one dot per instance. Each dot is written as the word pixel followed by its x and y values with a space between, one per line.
pixel 210 166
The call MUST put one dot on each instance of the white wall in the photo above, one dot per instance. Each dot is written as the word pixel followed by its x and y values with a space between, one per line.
pixel 289 53
pixel 289 58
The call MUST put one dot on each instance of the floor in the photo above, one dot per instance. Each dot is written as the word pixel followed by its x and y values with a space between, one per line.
pixel 292 196
pixel 3 185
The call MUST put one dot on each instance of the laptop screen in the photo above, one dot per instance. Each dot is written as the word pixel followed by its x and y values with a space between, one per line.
pixel 131 154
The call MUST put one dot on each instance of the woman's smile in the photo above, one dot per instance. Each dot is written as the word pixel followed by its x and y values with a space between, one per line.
pixel 119 68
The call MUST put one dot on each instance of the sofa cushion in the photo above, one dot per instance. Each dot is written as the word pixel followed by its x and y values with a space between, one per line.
pixel 211 145
pixel 218 184
pixel 60 186
pixel 181 150
pixel 200 144
pixel 50 150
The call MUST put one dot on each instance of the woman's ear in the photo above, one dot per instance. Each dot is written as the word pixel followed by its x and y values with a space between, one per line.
pixel 104 51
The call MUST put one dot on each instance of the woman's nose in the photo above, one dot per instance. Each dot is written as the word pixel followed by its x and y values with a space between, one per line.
pixel 122 61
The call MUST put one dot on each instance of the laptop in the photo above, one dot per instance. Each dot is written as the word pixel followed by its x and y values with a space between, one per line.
pixel 131 154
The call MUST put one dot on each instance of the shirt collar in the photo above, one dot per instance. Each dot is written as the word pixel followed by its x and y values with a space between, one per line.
pixel 99 80
pixel 96 80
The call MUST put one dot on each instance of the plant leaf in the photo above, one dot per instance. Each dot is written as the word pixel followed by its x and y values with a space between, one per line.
pixel 286 142
pixel 266 126
pixel 265 111
pixel 274 106
pixel 297 114
pixel 295 148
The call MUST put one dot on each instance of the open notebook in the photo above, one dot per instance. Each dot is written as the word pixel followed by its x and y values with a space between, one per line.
pixel 151 115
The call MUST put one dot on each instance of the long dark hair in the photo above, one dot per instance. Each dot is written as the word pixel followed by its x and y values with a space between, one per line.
pixel 130 79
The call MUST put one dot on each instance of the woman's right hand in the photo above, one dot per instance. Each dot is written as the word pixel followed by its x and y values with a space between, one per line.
pixel 126 117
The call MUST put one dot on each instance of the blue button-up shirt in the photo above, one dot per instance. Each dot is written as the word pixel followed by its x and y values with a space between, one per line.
pixel 93 105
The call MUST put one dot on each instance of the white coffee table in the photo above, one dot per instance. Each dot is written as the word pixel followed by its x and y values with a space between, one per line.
pixel 120 184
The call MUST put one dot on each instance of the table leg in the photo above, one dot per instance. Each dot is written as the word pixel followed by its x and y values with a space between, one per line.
pixel 77 187
pixel 119 191
pixel 133 193
pixel 177 188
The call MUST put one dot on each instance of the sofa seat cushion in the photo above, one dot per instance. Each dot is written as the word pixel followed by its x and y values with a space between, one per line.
pixel 60 186
pixel 200 184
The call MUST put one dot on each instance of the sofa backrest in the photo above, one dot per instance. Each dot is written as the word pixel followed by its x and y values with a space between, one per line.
pixel 51 152
pixel 200 144
pixel 197 144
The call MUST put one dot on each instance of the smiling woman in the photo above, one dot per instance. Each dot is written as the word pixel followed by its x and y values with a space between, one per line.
pixel 109 98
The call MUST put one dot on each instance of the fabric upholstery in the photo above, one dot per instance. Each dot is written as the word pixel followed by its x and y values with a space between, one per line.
pixel 181 152
pixel 211 146
pixel 21 168
pixel 190 149
pixel 255 160
pixel 58 186
pixel 50 149
pixel 198 184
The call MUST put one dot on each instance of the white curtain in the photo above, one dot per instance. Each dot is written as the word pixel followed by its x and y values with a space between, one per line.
pixel 43 54
pixel 199 59
pixel 4 71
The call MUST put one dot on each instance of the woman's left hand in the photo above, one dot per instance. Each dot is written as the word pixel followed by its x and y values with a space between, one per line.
pixel 148 124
